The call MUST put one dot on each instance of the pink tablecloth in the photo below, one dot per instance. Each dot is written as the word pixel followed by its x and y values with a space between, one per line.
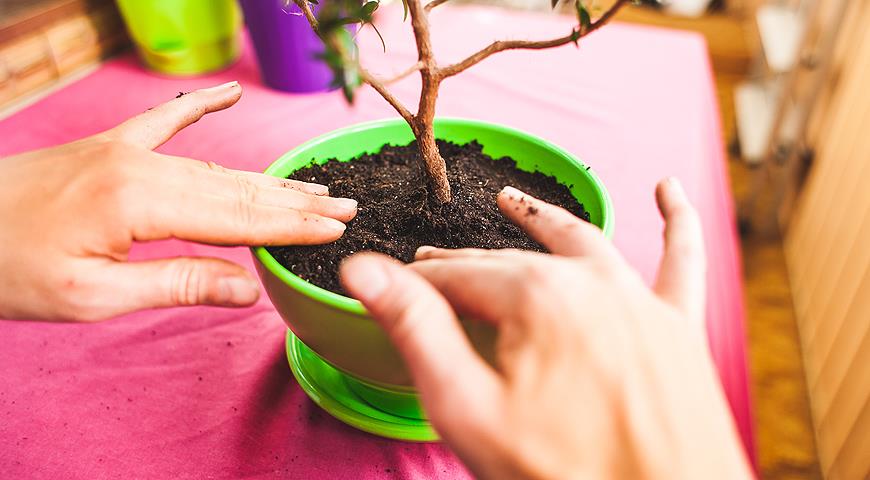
pixel 206 393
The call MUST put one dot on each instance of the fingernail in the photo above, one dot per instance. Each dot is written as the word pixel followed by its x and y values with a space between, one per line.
pixel 346 203
pixel 365 277
pixel 237 291
pixel 424 250
pixel 333 224
pixel 676 187
pixel 224 86
pixel 321 190
pixel 512 192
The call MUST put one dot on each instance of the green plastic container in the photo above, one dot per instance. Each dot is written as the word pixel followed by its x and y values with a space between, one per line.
pixel 184 37
pixel 340 356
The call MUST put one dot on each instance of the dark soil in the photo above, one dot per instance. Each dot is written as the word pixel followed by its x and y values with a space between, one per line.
pixel 397 214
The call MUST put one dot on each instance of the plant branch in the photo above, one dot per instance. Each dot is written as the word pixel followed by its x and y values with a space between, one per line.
pixel 388 96
pixel 420 25
pixel 365 76
pixel 605 17
pixel 502 45
pixel 433 4
pixel 395 78
pixel 309 15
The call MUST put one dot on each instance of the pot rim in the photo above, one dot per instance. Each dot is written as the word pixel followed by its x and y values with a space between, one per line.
pixel 353 306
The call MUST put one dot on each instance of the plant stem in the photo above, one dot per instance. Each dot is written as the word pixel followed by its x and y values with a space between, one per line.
pixel 423 124
pixel 502 45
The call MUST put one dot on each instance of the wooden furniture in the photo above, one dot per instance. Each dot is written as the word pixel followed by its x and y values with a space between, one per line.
pixel 45 41
pixel 796 39
pixel 828 255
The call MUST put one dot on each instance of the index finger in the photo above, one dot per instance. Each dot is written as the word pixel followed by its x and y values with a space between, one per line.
pixel 557 229
pixel 200 216
pixel 155 126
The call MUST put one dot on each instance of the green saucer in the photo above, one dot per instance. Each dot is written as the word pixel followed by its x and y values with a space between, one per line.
pixel 328 388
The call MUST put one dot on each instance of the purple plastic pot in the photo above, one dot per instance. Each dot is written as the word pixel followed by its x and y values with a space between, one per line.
pixel 286 47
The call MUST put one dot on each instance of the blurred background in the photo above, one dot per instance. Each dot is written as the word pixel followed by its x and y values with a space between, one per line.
pixel 792 81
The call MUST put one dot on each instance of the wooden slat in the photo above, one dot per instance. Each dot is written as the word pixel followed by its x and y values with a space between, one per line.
pixel 844 203
pixel 853 461
pixel 843 283
pixel 819 221
pixel 841 414
pixel 828 252
pixel 804 226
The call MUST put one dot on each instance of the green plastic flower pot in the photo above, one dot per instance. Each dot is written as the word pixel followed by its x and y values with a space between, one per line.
pixel 184 37
pixel 339 355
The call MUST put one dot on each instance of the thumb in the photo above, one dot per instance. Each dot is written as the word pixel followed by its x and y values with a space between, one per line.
pixel 426 332
pixel 182 281
pixel 681 278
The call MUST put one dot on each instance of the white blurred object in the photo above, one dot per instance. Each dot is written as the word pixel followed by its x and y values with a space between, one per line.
pixel 755 108
pixel 686 8
pixel 781 30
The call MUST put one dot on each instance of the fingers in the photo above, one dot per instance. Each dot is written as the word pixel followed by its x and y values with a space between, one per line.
pixel 185 281
pixel 270 181
pixel 681 279
pixel 479 286
pixel 242 187
pixel 256 178
pixel 222 220
pixel 424 329
pixel 427 252
pixel 553 227
pixel 262 189
pixel 154 127
pixel 174 197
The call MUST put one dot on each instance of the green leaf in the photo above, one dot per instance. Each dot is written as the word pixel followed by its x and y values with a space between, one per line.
pixel 575 36
pixel 368 9
pixel 405 10
pixel 349 73
pixel 583 15
pixel 340 54
pixel 313 2
pixel 350 82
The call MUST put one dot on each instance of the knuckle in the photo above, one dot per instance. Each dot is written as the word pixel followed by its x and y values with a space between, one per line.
pixel 110 149
pixel 246 196
pixel 195 107
pixel 185 283
pixel 115 178
pixel 77 299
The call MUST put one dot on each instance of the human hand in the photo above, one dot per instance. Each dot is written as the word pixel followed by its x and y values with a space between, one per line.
pixel 71 213
pixel 596 375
